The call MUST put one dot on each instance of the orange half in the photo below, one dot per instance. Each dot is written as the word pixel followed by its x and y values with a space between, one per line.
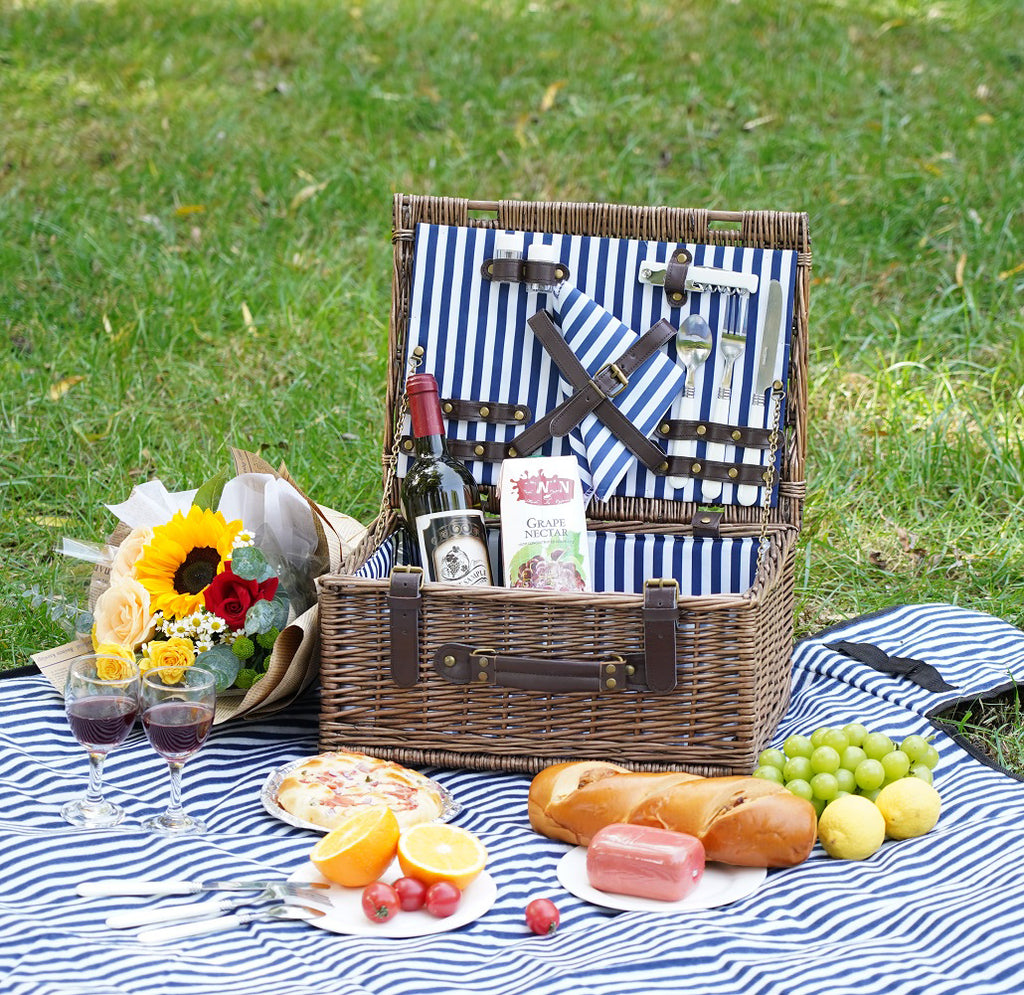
pixel 358 851
pixel 435 852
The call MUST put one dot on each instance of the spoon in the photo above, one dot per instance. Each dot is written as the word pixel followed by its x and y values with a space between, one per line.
pixel 693 346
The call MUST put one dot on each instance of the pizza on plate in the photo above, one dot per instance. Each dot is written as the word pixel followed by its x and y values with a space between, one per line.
pixel 326 789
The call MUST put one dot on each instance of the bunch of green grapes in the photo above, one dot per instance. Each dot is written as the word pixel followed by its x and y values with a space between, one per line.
pixel 835 761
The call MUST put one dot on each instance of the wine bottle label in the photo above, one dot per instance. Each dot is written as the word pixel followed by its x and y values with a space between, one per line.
pixel 453 547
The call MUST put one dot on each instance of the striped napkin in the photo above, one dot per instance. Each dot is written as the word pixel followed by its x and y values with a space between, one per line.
pixel 597 338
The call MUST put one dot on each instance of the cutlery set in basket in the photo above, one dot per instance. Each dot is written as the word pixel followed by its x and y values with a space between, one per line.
pixel 665 350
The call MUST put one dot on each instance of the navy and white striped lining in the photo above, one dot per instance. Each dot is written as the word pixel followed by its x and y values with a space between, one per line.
pixel 479 346
pixel 941 914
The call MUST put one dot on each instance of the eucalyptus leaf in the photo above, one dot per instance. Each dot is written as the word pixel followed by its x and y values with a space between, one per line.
pixel 281 605
pixel 260 617
pixel 220 662
pixel 208 495
pixel 250 564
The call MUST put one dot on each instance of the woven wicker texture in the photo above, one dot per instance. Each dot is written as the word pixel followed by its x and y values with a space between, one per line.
pixel 733 651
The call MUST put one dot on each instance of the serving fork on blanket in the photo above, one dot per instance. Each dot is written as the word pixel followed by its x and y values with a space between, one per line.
pixel 302 895
pixel 200 927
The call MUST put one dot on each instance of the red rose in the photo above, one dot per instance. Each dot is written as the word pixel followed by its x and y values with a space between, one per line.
pixel 230 597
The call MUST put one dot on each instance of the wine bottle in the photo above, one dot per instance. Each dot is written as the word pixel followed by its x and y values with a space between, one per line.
pixel 440 498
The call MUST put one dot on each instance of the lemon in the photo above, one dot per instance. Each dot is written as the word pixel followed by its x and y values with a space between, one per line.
pixel 909 806
pixel 851 828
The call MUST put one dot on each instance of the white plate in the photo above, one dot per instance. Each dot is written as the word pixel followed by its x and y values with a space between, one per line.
pixel 268 795
pixel 348 917
pixel 720 885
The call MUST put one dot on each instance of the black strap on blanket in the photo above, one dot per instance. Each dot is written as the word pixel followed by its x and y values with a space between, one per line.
pixel 924 675
pixel 594 394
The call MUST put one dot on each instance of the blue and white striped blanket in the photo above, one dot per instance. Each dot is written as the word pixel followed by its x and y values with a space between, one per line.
pixel 937 915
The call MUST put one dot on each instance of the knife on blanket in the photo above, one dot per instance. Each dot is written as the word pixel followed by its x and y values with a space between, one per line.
pixel 110 887
pixel 771 344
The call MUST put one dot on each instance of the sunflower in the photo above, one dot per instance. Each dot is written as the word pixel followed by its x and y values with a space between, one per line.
pixel 181 559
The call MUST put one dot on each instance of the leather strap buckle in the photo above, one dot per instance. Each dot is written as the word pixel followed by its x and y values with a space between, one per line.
pixel 617 375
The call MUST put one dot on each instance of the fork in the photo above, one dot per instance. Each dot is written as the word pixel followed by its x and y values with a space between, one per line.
pixel 129 918
pixel 177 931
pixel 733 343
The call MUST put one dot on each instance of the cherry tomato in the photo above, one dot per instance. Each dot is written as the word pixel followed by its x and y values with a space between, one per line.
pixel 542 916
pixel 442 899
pixel 380 902
pixel 412 893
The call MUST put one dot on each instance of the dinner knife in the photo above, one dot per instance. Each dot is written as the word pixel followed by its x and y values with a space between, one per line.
pixel 771 344
pixel 110 887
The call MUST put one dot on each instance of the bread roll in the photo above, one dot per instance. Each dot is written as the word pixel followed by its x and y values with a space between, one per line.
pixel 745 821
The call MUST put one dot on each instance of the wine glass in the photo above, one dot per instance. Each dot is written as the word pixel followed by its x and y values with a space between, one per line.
pixel 101 700
pixel 177 713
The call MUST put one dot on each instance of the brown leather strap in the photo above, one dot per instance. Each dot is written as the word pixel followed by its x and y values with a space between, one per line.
pixel 708 431
pixel 489 412
pixel 661 613
pixel 468 450
pixel 707 525
pixel 728 473
pixel 517 270
pixel 675 275
pixel 404 602
pixel 653 671
pixel 461 663
pixel 593 394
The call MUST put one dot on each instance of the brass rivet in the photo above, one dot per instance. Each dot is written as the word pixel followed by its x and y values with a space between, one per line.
pixel 609 668
pixel 630 670
pixel 696 468
pixel 663 467
pixel 559 273
pixel 490 268
pixel 484 411
pixel 733 473
pixel 484 661
pixel 478 450
pixel 512 451
pixel 736 435
pixel 778 385
pixel 705 520
pixel 702 430
pixel 610 684
pixel 680 257
pixel 449 661
pixel 665 429
pixel 520 414
pixel 418 351
pixel 482 678
pixel 448 407
pixel 407 445
pixel 676 296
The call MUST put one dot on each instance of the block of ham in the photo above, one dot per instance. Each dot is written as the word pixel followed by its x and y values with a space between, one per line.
pixel 645 862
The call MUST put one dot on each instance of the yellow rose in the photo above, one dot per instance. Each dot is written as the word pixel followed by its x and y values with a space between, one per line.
pixel 122 615
pixel 177 653
pixel 117 663
pixel 128 553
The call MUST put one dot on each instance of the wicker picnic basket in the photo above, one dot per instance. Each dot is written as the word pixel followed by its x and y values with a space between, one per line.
pixel 413 671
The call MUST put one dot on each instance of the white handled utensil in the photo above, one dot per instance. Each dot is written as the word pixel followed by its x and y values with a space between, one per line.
pixel 168 934
pixel 113 887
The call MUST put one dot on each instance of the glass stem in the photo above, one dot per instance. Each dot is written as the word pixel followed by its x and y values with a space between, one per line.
pixel 175 814
pixel 94 794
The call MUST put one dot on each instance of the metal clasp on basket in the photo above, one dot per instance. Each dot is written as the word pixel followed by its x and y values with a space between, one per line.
pixel 482 659
pixel 617 375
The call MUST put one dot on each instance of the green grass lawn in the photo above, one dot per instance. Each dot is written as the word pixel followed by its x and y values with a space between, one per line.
pixel 195 207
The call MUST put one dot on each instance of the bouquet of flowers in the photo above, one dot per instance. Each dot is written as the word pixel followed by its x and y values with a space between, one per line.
pixel 222 578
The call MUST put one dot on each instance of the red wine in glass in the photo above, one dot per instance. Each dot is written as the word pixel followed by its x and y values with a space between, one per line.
pixel 176 729
pixel 177 711
pixel 101 700
pixel 103 721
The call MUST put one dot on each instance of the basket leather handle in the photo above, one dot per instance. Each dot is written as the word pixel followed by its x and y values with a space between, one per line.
pixel 653 670
pixel 404 603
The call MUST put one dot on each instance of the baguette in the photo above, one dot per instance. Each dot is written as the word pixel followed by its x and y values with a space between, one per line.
pixel 745 821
